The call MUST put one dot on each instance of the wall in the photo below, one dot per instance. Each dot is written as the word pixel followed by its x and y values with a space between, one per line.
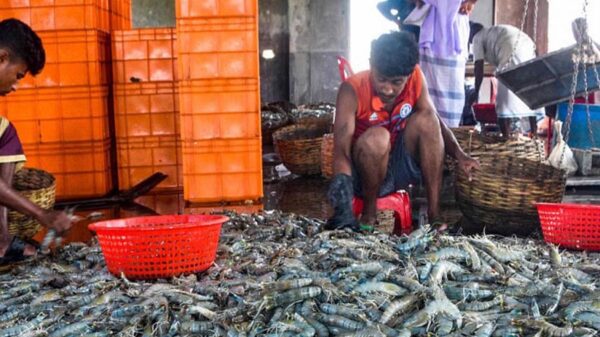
pixel 318 34
pixel 305 35
pixel 511 12
pixel 153 13
pixel 274 34
pixel 484 12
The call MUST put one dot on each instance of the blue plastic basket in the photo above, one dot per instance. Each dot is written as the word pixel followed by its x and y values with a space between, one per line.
pixel 579 137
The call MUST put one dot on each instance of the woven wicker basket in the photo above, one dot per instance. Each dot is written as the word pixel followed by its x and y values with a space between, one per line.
pixel 299 147
pixel 501 195
pixel 273 118
pixel 477 145
pixel 39 187
pixel 327 156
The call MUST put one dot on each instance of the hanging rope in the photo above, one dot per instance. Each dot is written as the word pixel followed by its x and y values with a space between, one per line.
pixel 522 29
pixel 585 79
pixel 581 59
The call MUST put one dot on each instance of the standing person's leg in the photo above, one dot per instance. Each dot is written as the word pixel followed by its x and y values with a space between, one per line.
pixel 445 78
pixel 424 145
pixel 505 109
pixel 370 155
pixel 505 125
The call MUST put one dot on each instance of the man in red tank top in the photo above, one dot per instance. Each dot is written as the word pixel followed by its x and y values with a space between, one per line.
pixel 387 134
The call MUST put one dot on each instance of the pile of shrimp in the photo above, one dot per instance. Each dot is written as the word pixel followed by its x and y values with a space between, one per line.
pixel 280 274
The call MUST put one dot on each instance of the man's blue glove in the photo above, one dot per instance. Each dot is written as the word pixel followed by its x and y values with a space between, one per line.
pixel 340 196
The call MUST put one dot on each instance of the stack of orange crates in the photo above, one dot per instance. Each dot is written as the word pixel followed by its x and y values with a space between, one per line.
pixel 146 106
pixel 120 14
pixel 219 95
pixel 62 115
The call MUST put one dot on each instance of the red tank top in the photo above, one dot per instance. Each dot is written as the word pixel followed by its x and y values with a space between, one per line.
pixel 370 111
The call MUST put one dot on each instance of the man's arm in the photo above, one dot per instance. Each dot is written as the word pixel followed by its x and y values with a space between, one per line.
pixel 452 148
pixel 56 220
pixel 466 7
pixel 341 189
pixel 13 200
pixel 343 129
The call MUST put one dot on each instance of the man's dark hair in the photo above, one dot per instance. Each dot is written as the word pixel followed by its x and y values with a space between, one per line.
pixel 395 54
pixel 475 28
pixel 23 43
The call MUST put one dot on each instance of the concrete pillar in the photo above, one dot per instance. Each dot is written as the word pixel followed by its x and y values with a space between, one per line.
pixel 153 13
pixel 319 32
pixel 274 34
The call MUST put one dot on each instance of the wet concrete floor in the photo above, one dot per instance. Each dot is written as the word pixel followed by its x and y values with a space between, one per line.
pixel 292 194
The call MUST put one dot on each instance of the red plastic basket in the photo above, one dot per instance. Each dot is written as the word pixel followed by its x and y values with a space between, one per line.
pixel 572 226
pixel 159 246
pixel 485 113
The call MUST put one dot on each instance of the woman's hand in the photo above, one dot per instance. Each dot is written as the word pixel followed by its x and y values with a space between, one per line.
pixel 466 7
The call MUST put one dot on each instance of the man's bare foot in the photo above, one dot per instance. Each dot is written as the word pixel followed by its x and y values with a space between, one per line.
pixel 28 251
pixel 367 223
pixel 368 219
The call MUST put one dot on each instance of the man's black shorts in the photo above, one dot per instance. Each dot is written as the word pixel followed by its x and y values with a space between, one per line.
pixel 403 170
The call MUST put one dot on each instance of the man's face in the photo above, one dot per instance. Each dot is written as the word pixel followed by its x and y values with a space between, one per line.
pixel 11 71
pixel 387 88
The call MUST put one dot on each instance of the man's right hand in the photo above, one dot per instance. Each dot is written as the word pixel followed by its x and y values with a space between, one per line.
pixel 340 196
pixel 57 220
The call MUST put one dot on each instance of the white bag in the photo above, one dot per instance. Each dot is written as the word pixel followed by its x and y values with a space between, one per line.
pixel 417 15
pixel 568 162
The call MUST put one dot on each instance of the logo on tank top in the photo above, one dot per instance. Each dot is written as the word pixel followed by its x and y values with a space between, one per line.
pixel 374 116
pixel 405 110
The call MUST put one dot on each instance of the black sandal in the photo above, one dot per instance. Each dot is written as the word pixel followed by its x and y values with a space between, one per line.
pixel 15 251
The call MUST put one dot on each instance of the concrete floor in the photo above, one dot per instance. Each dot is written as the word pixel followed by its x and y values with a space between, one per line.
pixel 300 195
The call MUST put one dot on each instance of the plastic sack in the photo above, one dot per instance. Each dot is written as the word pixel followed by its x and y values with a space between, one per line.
pixel 561 156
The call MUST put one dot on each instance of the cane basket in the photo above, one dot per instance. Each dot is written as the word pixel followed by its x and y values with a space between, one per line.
pixel 501 195
pixel 273 117
pixel 40 188
pixel 299 147
pixel 477 144
pixel 327 156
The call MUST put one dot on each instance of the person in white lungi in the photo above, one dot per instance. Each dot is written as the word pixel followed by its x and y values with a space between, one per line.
pixel 504 46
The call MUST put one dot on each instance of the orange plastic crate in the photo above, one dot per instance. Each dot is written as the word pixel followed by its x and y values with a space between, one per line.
pixel 73 58
pixel 120 14
pixel 144 54
pixel 218 48
pixel 222 108
pixel 49 115
pixel 222 170
pixel 208 8
pixel 140 157
pixel 82 169
pixel 59 14
pixel 146 109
